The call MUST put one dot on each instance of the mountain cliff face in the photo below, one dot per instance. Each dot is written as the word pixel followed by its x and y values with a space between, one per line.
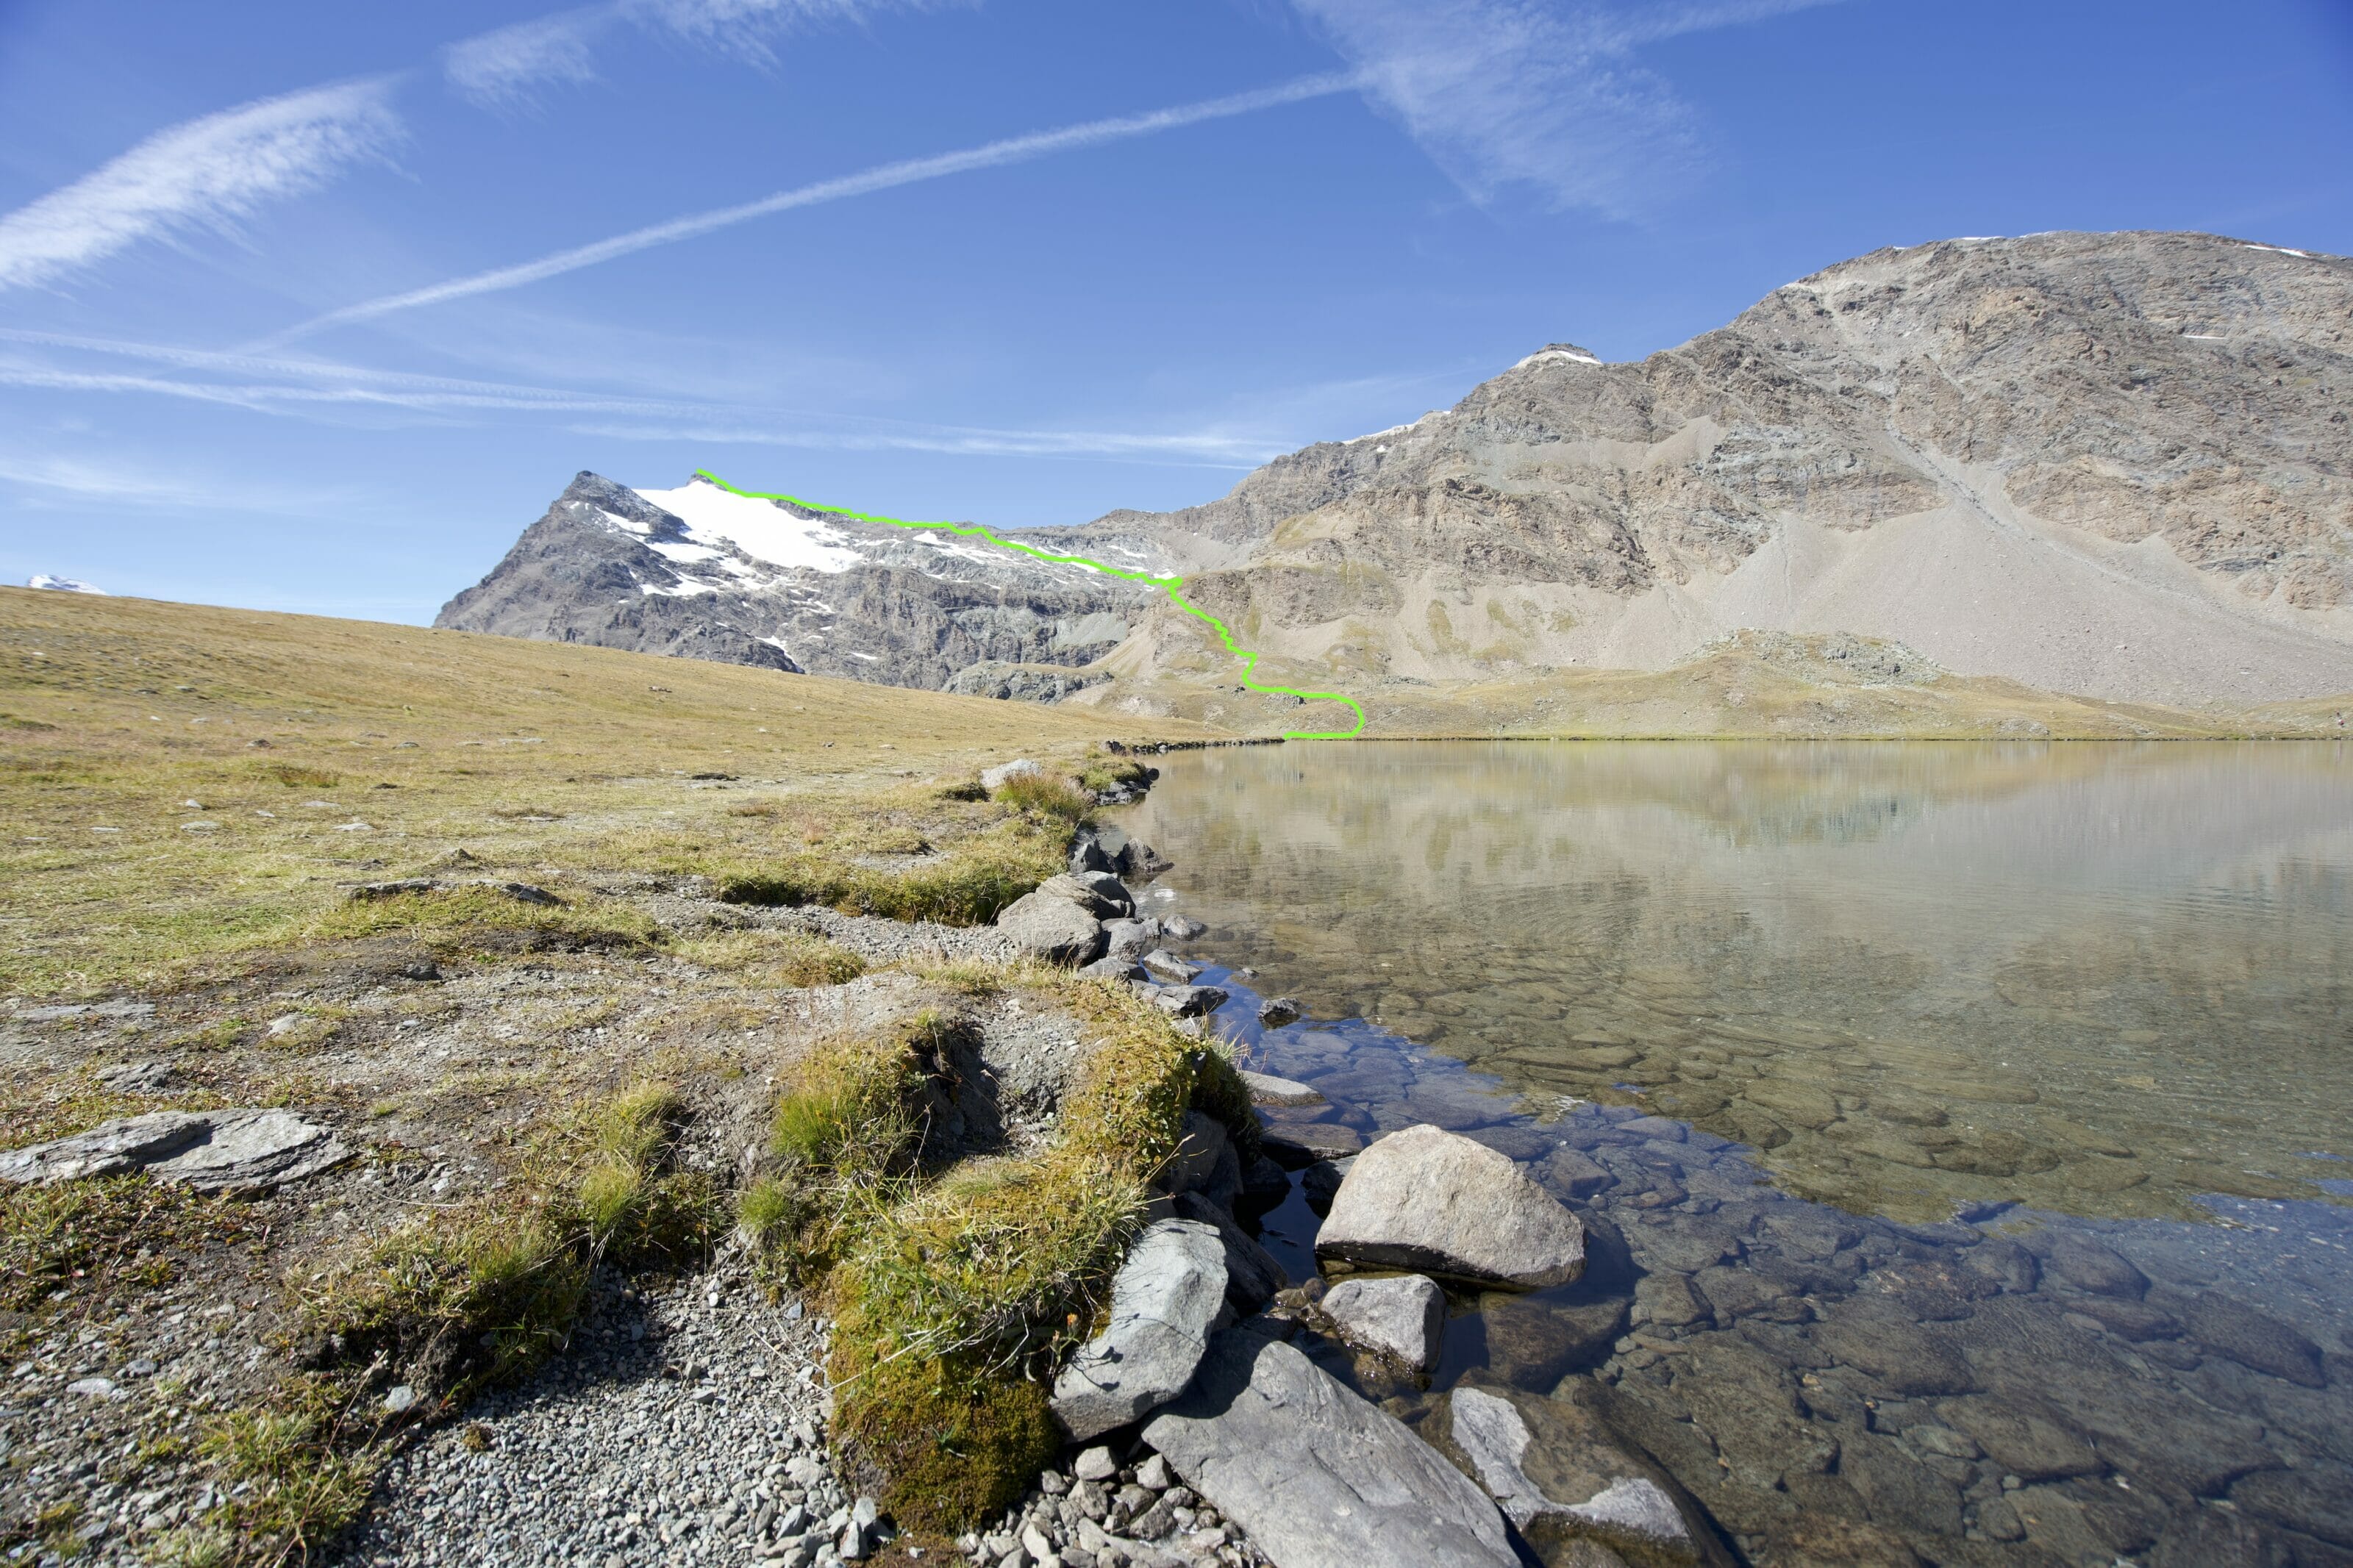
pixel 2115 465
pixel 2109 464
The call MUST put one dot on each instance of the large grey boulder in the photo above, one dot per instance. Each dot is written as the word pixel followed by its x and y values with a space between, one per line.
pixel 1099 895
pixel 1317 1477
pixel 1253 1273
pixel 233 1152
pixel 1441 1204
pixel 1164 1301
pixel 1571 1484
pixel 1048 925
pixel 1404 1317
pixel 996 778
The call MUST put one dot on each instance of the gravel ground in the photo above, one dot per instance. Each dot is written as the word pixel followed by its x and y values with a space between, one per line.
pixel 685 1425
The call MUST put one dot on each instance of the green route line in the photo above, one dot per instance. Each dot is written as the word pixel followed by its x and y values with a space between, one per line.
pixel 1167 585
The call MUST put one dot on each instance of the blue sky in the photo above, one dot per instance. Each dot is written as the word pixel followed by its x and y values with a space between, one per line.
pixel 315 307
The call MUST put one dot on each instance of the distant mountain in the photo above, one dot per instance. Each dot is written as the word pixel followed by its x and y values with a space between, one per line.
pixel 703 572
pixel 63 585
pixel 2116 466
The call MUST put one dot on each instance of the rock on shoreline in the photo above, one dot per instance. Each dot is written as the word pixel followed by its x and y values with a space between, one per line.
pixel 1437 1202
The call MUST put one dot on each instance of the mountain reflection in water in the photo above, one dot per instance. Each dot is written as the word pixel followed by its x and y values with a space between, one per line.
pixel 1961 1128
pixel 2098 979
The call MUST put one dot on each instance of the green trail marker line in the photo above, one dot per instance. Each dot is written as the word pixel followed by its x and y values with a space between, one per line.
pixel 1170 585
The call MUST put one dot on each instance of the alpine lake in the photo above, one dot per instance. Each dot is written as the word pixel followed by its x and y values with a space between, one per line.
pixel 1962 1129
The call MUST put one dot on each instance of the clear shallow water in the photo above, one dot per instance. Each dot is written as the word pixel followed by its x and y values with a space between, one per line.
pixel 1973 1117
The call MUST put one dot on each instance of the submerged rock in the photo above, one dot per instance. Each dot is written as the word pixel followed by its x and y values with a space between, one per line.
pixel 213 1151
pixel 1169 969
pixel 1163 1300
pixel 1437 1202
pixel 1319 1478
pixel 1188 1001
pixel 1265 1088
pixel 1297 1145
pixel 1569 1483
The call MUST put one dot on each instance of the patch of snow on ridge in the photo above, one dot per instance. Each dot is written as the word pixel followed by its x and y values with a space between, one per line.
pixel 1399 429
pixel 761 529
pixel 63 585
pixel 2276 249
pixel 1574 356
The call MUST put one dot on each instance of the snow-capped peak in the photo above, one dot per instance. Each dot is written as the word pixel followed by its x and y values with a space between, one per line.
pixel 1569 352
pixel 63 585
pixel 717 520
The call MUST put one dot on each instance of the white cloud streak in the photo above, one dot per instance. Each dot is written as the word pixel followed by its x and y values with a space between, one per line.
pixel 1505 94
pixel 317 388
pixel 887 176
pixel 502 67
pixel 507 66
pixel 111 482
pixel 206 172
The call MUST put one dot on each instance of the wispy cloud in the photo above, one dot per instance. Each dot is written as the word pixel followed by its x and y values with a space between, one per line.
pixel 505 65
pixel 908 171
pixel 1212 449
pixel 508 65
pixel 111 482
pixel 206 172
pixel 316 388
pixel 1546 98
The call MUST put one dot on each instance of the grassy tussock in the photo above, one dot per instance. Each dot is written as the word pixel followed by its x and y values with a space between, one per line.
pixel 968 886
pixel 479 1294
pixel 1045 795
pixel 955 1296
pixel 1103 772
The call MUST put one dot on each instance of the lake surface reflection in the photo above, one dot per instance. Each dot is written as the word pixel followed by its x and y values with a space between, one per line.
pixel 2093 978
pixel 1962 1128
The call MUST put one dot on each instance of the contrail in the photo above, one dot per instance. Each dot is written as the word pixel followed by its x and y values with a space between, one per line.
pixel 990 155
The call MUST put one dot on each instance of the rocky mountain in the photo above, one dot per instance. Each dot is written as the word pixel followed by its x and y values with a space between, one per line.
pixel 2117 466
pixel 706 574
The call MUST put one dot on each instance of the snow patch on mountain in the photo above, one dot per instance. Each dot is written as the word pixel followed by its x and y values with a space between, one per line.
pixel 63 585
pixel 718 519
pixel 1569 352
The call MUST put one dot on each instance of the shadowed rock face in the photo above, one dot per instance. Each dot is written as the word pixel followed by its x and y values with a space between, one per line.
pixel 2115 465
